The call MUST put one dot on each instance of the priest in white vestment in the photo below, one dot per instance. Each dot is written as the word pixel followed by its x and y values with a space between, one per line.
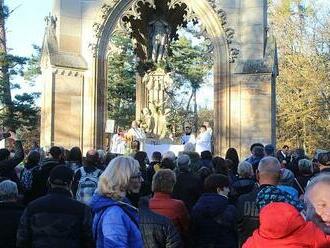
pixel 118 143
pixel 136 132
pixel 188 137
pixel 203 140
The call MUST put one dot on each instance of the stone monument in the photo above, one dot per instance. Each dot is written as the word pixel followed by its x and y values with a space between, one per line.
pixel 74 58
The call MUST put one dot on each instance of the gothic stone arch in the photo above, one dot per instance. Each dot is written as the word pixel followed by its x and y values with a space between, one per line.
pixel 74 70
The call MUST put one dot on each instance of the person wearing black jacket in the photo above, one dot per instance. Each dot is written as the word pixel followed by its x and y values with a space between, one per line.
pixel 157 230
pixel 188 187
pixel 268 174
pixel 40 181
pixel 10 213
pixel 7 165
pixel 56 220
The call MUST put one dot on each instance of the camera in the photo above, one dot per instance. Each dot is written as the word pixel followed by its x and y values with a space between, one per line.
pixel 4 135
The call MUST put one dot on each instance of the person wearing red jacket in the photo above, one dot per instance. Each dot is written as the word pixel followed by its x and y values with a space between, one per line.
pixel 162 203
pixel 282 226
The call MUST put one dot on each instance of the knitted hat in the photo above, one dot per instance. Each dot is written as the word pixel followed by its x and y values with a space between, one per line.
pixel 61 175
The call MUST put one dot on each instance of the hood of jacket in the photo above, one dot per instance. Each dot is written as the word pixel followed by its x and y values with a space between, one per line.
pixel 270 193
pixel 210 205
pixel 49 162
pixel 279 220
pixel 99 202
pixel 254 160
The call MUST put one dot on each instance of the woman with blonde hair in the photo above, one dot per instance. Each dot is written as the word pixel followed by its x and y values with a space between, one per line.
pixel 115 222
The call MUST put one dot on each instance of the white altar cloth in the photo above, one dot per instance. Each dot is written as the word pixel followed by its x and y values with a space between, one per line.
pixel 162 148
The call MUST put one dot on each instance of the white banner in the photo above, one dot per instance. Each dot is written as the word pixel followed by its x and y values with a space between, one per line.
pixel 110 126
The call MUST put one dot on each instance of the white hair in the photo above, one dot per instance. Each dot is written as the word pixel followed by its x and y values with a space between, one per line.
pixel 102 154
pixel 170 155
pixel 321 178
pixel 8 190
pixel 189 147
pixel 115 178
pixel 245 169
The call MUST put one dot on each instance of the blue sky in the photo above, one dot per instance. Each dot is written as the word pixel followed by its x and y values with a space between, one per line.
pixel 25 27
pixel 26 24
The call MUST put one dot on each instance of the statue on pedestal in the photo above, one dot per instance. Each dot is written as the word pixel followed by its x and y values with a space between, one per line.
pixel 155 107
pixel 159 32
pixel 156 110
pixel 148 122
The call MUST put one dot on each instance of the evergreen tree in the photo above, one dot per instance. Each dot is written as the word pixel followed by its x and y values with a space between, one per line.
pixel 121 81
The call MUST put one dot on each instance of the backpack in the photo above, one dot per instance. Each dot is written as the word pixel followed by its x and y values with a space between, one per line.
pixel 27 177
pixel 87 185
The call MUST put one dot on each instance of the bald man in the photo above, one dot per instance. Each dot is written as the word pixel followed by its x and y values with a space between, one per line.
pixel 268 174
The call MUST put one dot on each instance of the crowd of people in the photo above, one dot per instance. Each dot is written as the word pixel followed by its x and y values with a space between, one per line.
pixel 62 199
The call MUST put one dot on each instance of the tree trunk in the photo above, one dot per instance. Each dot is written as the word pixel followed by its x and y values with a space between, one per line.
pixel 195 110
pixel 189 101
pixel 5 100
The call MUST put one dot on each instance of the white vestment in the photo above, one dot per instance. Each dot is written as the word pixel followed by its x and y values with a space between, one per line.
pixel 117 144
pixel 188 138
pixel 203 142
pixel 137 133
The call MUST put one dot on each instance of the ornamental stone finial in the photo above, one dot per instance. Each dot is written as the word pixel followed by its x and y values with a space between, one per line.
pixel 51 21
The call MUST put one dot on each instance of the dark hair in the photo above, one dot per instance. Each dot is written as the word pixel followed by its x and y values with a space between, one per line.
pixel 109 157
pixel 167 163
pixel 203 173
pixel 213 182
pixel 219 166
pixel 92 158
pixel 32 159
pixel 285 146
pixel 255 145
pixel 229 164
pixel 259 151
pixel 206 155
pixel 300 153
pixel 142 158
pixel 75 155
pixel 4 154
pixel 135 145
pixel 233 156
pixel 56 152
pixel 324 158
pixel 156 156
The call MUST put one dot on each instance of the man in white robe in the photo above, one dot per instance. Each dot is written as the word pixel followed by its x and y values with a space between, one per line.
pixel 118 143
pixel 136 132
pixel 188 137
pixel 203 140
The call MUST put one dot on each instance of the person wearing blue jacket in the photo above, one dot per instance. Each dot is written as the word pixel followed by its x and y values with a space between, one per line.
pixel 115 221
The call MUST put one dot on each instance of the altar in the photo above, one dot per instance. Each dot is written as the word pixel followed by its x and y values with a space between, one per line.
pixel 149 148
